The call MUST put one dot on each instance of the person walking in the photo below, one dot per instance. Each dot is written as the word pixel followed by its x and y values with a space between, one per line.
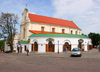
pixel 27 52
pixel 18 49
pixel 66 49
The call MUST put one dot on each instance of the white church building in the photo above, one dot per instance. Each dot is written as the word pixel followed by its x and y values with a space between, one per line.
pixel 46 34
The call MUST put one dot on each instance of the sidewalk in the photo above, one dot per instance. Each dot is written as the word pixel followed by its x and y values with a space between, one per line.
pixel 94 53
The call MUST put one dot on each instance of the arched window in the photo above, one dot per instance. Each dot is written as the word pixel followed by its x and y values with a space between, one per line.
pixel 42 28
pixel 63 30
pixel 71 31
pixel 53 29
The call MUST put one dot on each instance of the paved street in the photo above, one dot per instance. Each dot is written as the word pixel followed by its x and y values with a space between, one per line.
pixel 50 62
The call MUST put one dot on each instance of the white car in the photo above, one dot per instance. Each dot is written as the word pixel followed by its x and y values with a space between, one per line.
pixel 76 52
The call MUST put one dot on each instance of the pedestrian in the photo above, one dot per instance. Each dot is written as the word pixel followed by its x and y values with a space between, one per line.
pixel 65 49
pixel 18 49
pixel 27 52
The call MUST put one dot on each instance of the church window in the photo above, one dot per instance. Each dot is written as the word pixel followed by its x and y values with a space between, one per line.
pixel 53 29
pixel 71 31
pixel 42 28
pixel 63 30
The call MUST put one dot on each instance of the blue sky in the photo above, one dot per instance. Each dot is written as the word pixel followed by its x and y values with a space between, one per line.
pixel 84 13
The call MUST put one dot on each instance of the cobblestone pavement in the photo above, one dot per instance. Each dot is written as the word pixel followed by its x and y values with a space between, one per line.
pixel 50 62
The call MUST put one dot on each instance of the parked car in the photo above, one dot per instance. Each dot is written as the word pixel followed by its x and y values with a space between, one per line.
pixel 76 52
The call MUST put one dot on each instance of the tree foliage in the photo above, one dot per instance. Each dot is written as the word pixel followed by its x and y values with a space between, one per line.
pixel 2 43
pixel 95 38
pixel 8 23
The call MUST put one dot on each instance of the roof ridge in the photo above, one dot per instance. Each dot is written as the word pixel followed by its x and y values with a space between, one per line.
pixel 51 20
pixel 52 17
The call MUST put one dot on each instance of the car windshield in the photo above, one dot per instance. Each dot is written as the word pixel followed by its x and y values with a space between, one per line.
pixel 76 49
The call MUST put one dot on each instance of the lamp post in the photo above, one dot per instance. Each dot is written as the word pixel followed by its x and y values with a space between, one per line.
pixel 58 46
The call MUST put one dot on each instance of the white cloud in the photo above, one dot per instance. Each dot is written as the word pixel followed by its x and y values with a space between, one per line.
pixel 91 13
pixel 89 24
pixel 97 1
pixel 85 13
pixel 96 20
pixel 71 6
pixel 92 28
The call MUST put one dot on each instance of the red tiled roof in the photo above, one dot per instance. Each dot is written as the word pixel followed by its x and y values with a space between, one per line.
pixel 43 32
pixel 50 20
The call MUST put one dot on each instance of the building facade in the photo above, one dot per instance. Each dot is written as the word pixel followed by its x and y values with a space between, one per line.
pixel 46 34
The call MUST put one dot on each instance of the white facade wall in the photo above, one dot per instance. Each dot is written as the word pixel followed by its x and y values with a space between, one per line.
pixel 42 43
pixel 48 27
pixel 41 48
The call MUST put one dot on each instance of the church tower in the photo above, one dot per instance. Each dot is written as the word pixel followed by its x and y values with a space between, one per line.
pixel 25 26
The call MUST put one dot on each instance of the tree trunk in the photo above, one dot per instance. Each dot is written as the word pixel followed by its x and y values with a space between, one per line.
pixel 11 48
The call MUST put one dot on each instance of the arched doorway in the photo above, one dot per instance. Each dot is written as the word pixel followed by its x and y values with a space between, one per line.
pixel 80 44
pixel 66 45
pixel 35 46
pixel 50 47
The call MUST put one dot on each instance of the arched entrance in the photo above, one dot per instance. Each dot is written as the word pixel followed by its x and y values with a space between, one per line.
pixel 66 45
pixel 80 44
pixel 50 47
pixel 34 47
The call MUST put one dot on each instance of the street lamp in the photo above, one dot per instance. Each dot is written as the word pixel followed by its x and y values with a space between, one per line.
pixel 58 46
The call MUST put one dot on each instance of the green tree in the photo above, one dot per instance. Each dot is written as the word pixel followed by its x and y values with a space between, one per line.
pixel 2 43
pixel 8 23
pixel 95 37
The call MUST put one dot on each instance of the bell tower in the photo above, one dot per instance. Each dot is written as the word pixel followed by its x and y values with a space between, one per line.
pixel 24 27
